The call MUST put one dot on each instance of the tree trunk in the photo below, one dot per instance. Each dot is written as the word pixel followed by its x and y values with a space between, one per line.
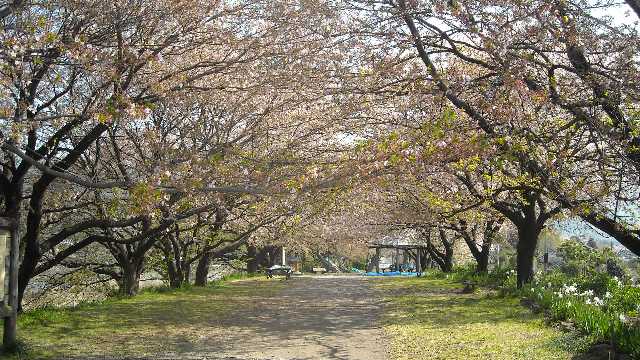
pixel 424 260
pixel 262 258
pixel 482 265
pixel 528 233
pixel 202 271
pixel 179 274
pixel 443 259
pixel 491 228
pixel 481 255
pixel 174 276
pixel 372 264
pixel 32 254
pixel 272 254
pixel 252 262
pixel 186 273
pixel 130 279
pixel 171 255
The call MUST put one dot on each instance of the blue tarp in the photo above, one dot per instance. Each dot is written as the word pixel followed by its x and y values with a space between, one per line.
pixel 391 273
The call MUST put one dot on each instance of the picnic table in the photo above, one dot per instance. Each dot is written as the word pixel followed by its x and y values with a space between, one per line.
pixel 284 270
pixel 319 270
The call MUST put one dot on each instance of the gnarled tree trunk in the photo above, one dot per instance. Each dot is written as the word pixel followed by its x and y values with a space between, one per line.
pixel 202 270
pixel 129 282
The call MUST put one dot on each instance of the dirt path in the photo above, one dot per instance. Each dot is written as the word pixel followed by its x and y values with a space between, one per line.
pixel 320 317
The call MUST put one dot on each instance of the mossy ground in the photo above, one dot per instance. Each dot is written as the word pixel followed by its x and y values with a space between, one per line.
pixel 430 318
pixel 140 326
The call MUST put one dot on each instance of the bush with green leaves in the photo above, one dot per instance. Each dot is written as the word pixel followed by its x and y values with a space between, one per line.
pixel 502 278
pixel 579 259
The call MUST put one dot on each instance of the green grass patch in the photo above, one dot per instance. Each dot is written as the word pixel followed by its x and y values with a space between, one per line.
pixel 155 321
pixel 429 318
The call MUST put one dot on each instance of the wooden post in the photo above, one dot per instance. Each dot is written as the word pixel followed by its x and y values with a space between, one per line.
pixel 378 260
pixel 418 267
pixel 10 301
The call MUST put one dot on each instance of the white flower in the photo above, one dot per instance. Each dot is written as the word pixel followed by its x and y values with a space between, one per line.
pixel 569 289
pixel 588 293
pixel 607 295
pixel 588 301
pixel 622 318
pixel 597 301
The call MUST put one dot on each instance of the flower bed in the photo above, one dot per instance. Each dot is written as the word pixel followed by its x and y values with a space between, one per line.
pixel 603 307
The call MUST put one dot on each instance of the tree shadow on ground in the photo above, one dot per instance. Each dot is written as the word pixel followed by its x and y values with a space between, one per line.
pixel 329 318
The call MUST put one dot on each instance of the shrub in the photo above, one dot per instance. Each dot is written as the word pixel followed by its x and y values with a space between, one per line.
pixel 502 278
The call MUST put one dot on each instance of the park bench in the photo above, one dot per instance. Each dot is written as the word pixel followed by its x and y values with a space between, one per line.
pixel 319 270
pixel 283 270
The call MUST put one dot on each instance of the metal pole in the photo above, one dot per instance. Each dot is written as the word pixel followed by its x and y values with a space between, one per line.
pixel 418 267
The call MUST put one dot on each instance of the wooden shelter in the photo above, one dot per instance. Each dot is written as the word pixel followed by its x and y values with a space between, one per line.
pixel 406 242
